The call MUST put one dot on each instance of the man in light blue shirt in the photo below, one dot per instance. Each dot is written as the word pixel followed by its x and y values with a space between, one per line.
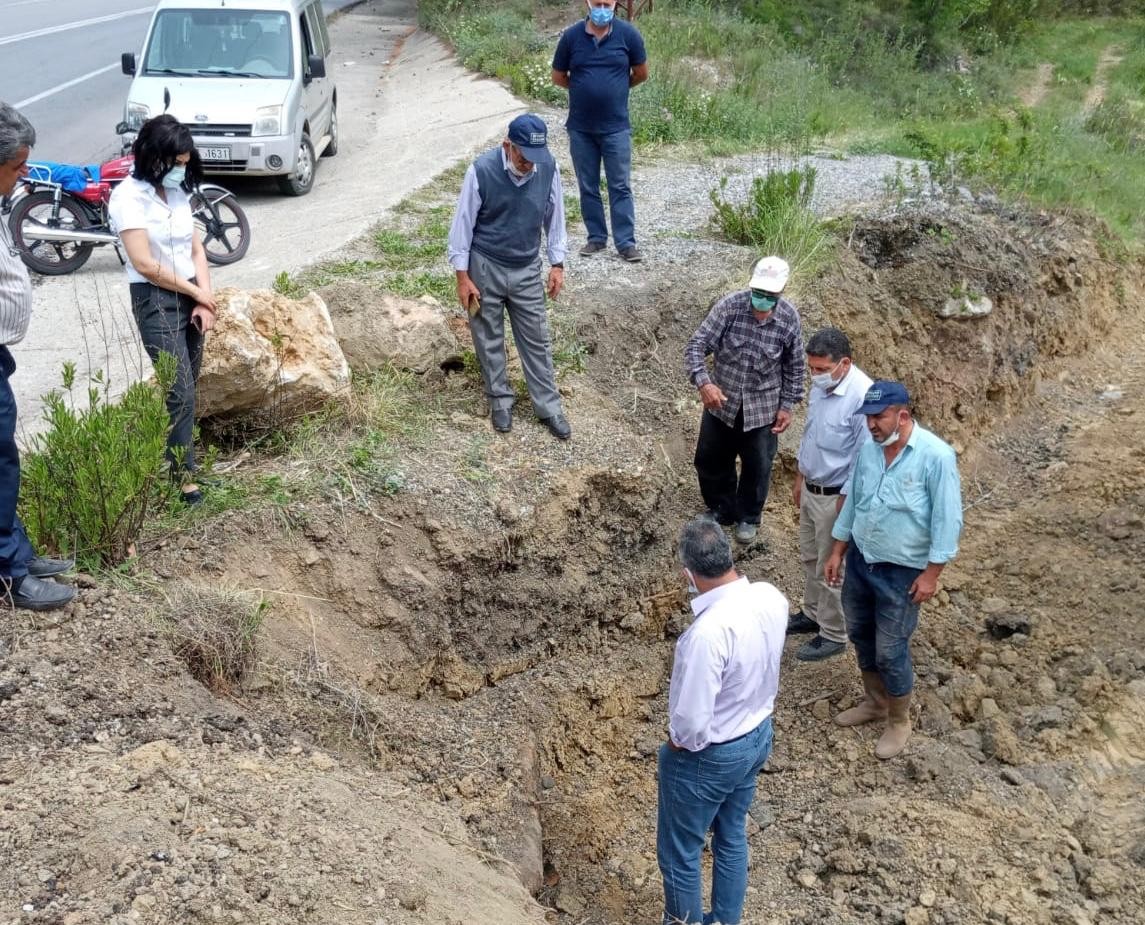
pixel 832 436
pixel 511 194
pixel 898 528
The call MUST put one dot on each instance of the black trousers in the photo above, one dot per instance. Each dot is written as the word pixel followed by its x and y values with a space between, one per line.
pixel 164 320
pixel 15 550
pixel 734 500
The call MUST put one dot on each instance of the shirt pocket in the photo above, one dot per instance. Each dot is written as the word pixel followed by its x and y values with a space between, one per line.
pixel 834 436
pixel 907 494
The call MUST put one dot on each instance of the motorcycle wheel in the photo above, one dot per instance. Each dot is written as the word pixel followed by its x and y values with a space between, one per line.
pixel 222 224
pixel 52 258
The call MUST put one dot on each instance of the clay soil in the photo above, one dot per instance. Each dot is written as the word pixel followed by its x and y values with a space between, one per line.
pixel 461 688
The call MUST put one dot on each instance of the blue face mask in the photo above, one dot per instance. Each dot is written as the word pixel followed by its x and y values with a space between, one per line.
pixel 174 177
pixel 763 303
pixel 600 15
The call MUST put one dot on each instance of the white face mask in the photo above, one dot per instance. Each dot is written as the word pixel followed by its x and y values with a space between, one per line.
pixel 825 380
pixel 890 441
pixel 692 589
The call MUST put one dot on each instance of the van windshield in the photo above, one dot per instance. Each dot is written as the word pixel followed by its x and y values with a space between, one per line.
pixel 220 43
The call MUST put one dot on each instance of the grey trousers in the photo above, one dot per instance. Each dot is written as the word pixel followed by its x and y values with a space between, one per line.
pixel 821 602
pixel 521 292
pixel 164 320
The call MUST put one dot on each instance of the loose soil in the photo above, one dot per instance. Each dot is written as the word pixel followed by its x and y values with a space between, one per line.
pixel 463 687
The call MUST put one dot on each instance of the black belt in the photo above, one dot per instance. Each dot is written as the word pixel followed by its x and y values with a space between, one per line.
pixel 822 489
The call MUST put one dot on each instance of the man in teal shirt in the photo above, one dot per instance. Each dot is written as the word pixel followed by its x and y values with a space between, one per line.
pixel 898 528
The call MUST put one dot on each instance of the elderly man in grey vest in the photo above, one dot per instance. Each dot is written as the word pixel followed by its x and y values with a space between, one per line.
pixel 509 195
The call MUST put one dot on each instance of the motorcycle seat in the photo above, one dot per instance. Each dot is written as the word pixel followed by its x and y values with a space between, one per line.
pixel 72 178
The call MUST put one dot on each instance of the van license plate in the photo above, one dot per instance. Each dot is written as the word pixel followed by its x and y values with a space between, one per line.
pixel 215 154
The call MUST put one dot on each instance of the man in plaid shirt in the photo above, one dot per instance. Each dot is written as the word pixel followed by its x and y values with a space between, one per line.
pixel 756 379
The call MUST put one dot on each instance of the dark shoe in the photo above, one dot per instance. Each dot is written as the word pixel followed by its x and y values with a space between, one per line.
pixel 818 649
pixel 722 521
pixel 801 623
pixel 502 420
pixel 745 532
pixel 558 426
pixel 192 497
pixel 34 593
pixel 631 254
pixel 39 567
pixel 592 247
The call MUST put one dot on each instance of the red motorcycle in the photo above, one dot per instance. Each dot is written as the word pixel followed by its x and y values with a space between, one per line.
pixel 61 216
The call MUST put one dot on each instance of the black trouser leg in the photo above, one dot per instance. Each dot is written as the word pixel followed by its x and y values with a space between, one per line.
pixel 756 452
pixel 716 466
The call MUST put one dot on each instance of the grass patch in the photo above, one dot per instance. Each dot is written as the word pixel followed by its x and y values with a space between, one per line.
pixel 776 218
pixel 214 631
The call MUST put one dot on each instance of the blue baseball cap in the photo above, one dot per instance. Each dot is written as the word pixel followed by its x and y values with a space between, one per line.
pixel 530 134
pixel 881 395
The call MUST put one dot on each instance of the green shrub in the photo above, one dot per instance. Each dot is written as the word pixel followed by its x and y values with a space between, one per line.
pixel 91 478
pixel 1121 122
pixel 776 218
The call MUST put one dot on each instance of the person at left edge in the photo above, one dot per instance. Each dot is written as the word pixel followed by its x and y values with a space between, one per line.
pixel 22 572
pixel 722 695
pixel 167 273
pixel 511 194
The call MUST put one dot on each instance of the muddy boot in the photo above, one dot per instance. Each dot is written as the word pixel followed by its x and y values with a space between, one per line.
pixel 893 740
pixel 872 707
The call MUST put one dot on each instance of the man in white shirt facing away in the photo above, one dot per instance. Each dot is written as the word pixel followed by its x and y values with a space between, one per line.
pixel 832 435
pixel 722 695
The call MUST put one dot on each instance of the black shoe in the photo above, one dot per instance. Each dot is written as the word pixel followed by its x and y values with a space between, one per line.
pixel 592 247
pixel 191 497
pixel 558 426
pixel 502 419
pixel 39 567
pixel 631 254
pixel 818 649
pixel 34 593
pixel 801 623
pixel 722 521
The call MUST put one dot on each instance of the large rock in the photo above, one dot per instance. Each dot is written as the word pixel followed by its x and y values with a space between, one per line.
pixel 268 351
pixel 380 329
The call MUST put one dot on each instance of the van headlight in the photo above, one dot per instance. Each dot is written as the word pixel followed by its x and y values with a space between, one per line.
pixel 267 121
pixel 137 114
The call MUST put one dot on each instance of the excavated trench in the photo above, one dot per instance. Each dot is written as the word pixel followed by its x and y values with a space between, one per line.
pixel 520 673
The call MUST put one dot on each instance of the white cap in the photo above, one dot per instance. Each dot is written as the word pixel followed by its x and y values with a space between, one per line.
pixel 770 274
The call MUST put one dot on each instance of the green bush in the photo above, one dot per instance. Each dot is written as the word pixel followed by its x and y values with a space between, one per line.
pixel 776 218
pixel 1121 122
pixel 91 478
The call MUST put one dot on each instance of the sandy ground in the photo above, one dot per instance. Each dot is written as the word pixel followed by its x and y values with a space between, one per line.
pixel 398 89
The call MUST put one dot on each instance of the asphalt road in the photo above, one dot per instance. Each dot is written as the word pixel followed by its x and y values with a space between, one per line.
pixel 59 65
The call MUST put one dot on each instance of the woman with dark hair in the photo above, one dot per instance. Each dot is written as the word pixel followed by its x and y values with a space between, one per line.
pixel 167 267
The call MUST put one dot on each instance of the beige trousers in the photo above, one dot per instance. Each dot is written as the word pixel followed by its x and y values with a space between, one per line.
pixel 821 602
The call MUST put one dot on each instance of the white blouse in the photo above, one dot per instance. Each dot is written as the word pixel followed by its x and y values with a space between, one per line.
pixel 169 225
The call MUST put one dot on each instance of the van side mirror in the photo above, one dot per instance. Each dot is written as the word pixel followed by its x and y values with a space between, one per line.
pixel 127 63
pixel 316 66
pixel 122 128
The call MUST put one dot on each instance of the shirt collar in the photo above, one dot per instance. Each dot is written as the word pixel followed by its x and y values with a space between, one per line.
pixel 840 388
pixel 702 602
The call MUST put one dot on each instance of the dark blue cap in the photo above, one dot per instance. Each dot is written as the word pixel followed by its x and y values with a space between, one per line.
pixel 530 134
pixel 881 395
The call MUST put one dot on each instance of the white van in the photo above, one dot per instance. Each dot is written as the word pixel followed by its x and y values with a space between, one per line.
pixel 248 77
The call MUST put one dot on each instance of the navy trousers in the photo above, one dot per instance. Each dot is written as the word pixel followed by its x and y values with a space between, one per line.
pixel 15 550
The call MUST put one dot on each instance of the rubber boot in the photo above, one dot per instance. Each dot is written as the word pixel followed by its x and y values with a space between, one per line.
pixel 894 739
pixel 872 707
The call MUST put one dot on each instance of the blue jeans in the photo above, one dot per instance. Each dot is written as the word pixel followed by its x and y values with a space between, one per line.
pixel 881 618
pixel 588 149
pixel 15 550
pixel 710 789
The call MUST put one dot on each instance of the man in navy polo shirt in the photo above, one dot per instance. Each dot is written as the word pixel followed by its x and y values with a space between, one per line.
pixel 597 60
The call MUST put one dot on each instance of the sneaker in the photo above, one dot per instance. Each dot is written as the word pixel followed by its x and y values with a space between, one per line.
pixel 746 532
pixel 631 254
pixel 592 247
pixel 818 649
pixel 801 623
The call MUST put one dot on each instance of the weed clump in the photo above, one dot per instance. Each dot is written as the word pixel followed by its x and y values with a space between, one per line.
pixel 214 631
